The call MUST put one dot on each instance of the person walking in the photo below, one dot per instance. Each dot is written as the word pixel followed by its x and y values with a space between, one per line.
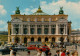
pixel 28 53
pixel 63 53
pixel 11 51
pixel 57 53
pixel 40 53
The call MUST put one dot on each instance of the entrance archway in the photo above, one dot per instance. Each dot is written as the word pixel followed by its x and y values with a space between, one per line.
pixel 53 39
pixel 46 39
pixel 61 39
pixel 17 39
pixel 32 39
pixel 39 39
pixel 25 40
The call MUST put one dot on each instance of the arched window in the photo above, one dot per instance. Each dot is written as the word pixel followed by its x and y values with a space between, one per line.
pixel 17 39
pixel 61 39
pixel 46 39
pixel 32 39
pixel 25 40
pixel 53 39
pixel 39 39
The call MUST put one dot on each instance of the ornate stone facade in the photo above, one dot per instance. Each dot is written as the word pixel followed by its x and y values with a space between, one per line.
pixel 38 27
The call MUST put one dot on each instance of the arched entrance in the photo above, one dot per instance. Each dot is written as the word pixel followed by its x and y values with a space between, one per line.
pixel 32 39
pixel 61 39
pixel 46 39
pixel 39 39
pixel 25 40
pixel 53 39
pixel 17 39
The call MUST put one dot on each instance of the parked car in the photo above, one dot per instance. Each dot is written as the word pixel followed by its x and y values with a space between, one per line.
pixel 6 50
pixel 32 47
pixel 44 48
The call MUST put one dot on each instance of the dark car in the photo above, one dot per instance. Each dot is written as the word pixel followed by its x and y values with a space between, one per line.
pixel 6 50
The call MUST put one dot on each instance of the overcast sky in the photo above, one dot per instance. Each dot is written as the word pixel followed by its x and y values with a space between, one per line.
pixel 70 7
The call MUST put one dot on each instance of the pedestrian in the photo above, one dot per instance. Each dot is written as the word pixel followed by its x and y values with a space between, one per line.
pixel 14 53
pixel 46 52
pixel 11 51
pixel 28 53
pixel 72 54
pixel 67 53
pixel 40 53
pixel 57 53
pixel 63 53
pixel 49 53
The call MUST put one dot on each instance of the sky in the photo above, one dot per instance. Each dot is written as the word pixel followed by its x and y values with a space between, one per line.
pixel 70 7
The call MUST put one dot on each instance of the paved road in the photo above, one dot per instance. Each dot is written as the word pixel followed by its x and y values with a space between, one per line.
pixel 33 53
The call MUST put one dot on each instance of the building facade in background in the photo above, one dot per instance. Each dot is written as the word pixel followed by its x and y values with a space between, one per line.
pixel 38 27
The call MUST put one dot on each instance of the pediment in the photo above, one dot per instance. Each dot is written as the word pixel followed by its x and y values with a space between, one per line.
pixel 16 20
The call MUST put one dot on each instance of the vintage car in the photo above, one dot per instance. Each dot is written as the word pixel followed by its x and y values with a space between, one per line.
pixel 44 48
pixel 32 47
pixel 6 50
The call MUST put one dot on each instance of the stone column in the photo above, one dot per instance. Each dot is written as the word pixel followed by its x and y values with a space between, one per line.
pixel 35 39
pixel 12 39
pixel 20 40
pixel 21 28
pixel 35 29
pixel 29 29
pixel 64 30
pixel 29 40
pixel 42 29
pixel 43 39
pixel 12 30
pixel 57 29
pixel 50 40
pixel 49 29
pixel 56 39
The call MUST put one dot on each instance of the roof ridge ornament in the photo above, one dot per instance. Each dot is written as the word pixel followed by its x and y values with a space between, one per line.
pixel 61 10
pixel 17 10
pixel 39 9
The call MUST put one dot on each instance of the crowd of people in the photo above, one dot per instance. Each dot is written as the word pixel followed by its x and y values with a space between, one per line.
pixel 59 52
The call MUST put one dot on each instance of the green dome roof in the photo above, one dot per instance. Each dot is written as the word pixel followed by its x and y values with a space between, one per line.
pixel 39 12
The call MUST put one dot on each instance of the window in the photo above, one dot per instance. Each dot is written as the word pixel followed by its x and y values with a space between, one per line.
pixel 16 30
pixel 39 31
pixel 46 39
pixel 25 30
pixel 32 30
pixel 61 30
pixel 46 31
pixel 25 40
pixel 32 39
pixel 39 39
pixel 53 30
